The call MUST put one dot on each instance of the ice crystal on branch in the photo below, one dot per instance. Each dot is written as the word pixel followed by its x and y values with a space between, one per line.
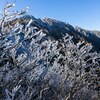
pixel 35 65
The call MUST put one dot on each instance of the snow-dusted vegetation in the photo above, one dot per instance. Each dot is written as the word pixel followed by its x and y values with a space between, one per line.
pixel 34 65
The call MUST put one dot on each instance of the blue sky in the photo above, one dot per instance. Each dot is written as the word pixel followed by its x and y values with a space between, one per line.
pixel 83 13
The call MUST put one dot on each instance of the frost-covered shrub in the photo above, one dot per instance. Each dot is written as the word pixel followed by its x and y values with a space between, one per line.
pixel 9 37
pixel 35 66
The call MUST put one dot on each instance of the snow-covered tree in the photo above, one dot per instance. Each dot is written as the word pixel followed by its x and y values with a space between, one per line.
pixel 9 38
pixel 34 65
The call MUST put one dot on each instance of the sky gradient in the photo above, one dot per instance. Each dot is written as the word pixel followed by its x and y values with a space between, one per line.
pixel 82 13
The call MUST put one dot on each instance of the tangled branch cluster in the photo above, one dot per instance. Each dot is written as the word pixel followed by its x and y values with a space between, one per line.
pixel 35 66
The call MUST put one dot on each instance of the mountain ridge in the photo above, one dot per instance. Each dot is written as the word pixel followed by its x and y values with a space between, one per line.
pixel 57 29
